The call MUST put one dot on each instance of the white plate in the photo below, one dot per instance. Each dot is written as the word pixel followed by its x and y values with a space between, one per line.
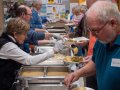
pixel 43 49
pixel 70 24
pixel 81 39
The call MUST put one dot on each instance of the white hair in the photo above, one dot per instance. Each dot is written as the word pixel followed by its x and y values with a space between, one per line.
pixel 104 9
pixel 36 2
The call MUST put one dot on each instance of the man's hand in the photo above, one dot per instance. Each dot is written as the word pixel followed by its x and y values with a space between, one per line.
pixel 70 78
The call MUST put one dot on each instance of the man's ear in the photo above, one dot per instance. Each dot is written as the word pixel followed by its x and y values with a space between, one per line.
pixel 113 22
pixel 22 14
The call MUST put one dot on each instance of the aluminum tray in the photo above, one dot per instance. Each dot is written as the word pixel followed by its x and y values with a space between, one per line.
pixel 31 71
pixel 57 71
pixel 43 72
pixel 56 30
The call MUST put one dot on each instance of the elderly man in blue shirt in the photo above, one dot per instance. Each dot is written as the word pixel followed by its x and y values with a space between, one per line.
pixel 103 20
pixel 37 21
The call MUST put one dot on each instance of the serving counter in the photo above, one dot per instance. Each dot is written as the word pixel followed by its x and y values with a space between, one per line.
pixel 48 75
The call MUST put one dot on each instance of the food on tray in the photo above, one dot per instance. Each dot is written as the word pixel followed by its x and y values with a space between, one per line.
pixel 71 40
pixel 77 59
pixel 59 56
pixel 57 59
pixel 81 59
pixel 67 59
pixel 73 59
pixel 31 73
pixel 57 73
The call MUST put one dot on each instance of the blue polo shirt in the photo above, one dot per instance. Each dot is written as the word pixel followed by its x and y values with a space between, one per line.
pixel 107 61
pixel 33 36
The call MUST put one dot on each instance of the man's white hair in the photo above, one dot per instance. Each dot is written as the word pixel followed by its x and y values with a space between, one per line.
pixel 103 10
pixel 80 8
pixel 36 2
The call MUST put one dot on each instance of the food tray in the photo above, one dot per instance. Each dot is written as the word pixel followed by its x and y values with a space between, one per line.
pixel 29 71
pixel 43 72
pixel 57 71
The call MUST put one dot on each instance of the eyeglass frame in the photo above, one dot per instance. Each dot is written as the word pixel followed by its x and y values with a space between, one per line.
pixel 96 32
pixel 29 14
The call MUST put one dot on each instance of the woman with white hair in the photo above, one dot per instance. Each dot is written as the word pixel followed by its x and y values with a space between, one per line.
pixel 37 21
pixel 79 12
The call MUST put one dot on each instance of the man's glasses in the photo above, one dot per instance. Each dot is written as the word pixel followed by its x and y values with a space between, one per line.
pixel 96 32
pixel 29 14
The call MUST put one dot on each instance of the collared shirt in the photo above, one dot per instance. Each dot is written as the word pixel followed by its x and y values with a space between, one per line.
pixel 33 36
pixel 107 61
pixel 37 21
pixel 11 51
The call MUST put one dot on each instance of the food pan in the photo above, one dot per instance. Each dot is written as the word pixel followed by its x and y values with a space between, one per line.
pixel 57 71
pixel 31 71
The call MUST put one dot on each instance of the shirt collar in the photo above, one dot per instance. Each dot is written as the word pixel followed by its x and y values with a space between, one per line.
pixel 12 38
pixel 35 9
pixel 117 40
